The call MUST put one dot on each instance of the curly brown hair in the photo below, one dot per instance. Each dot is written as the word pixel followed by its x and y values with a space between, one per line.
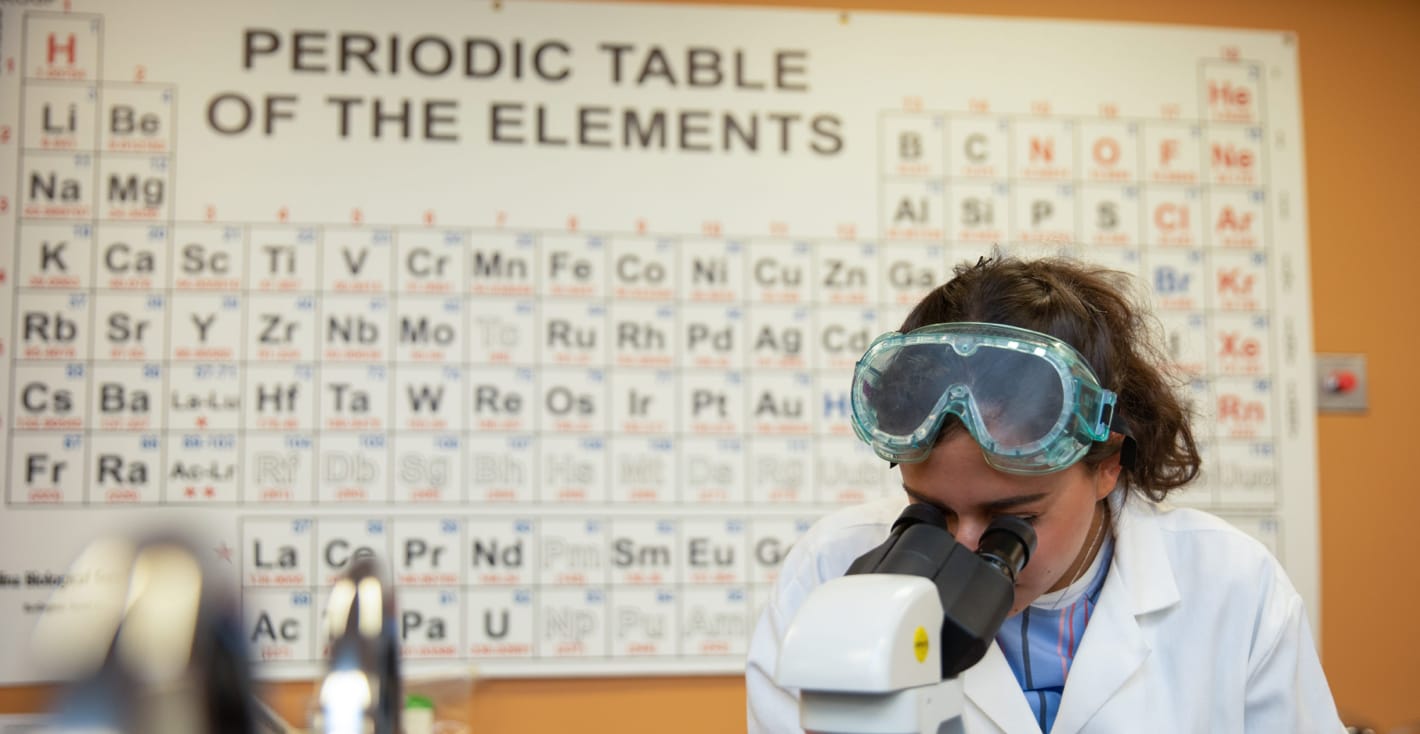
pixel 1090 308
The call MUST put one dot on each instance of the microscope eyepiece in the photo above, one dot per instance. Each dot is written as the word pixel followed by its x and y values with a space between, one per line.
pixel 1007 543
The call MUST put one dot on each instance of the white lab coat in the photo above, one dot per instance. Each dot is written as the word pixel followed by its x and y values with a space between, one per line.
pixel 1197 629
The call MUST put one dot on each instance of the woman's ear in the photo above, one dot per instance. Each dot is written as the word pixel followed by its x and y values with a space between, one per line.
pixel 1107 475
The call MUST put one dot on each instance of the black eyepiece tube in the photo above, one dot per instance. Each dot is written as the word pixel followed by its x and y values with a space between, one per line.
pixel 1007 543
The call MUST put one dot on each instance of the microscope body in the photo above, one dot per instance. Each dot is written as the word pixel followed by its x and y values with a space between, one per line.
pixel 880 650
pixel 879 673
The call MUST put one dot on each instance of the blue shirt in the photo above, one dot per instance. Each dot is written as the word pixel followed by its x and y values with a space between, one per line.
pixel 1040 642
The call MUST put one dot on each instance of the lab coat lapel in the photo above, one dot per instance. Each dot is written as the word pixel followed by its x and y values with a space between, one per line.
pixel 992 687
pixel 1115 647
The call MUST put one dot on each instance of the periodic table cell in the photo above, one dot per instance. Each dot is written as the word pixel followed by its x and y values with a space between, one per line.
pixel 280 625
pixel 642 334
pixel 430 261
pixel 711 403
pixel 130 327
pixel 572 266
pixel 715 620
pixel 428 552
pixel 428 467
pixel 1243 408
pixel 1173 216
pixel 644 269
pixel 712 336
pixel 280 467
pixel 132 256
pixel 60 116
pixel 979 212
pixel 711 270
pixel 501 467
pixel 135 187
pixel 431 624
pixel 1109 151
pixel 278 552
pixel 501 551
pixel 712 469
pixel 912 146
pixel 848 472
pixel 978 147
pixel 357 397
pixel 715 551
pixel 127 468
pixel 63 47
pixel 1232 91
pixel 910 271
pixel 912 209
pixel 644 469
pixel 572 469
pixel 354 260
pixel 206 327
pixel 1236 218
pixel 779 337
pixel 47 468
pixel 503 264
pixel 429 330
pixel 643 401
pixel 138 118
pixel 1173 153
pixel 1239 280
pixel 572 551
pixel 1044 213
pixel 428 398
pixel 284 259
pixel 54 256
pixel 644 622
pixel 209 257
pixel 58 186
pixel 1178 279
pixel 780 404
pixel 503 331
pixel 354 328
pixel 500 623
pixel 202 468
pixel 343 540
pixel 779 470
pixel 1241 344
pixel 53 325
pixel 127 397
pixel 1247 473
pixel 1185 340
pixel 645 551
pixel 780 272
pixel 51 397
pixel 843 273
pixel 1044 150
pixel 832 409
pixel 353 468
pixel 572 622
pixel 1234 155
pixel 841 334
pixel 573 400
pixel 573 333
pixel 1109 215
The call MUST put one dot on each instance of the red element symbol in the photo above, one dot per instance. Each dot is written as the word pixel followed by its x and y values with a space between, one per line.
pixel 1340 382
pixel 68 47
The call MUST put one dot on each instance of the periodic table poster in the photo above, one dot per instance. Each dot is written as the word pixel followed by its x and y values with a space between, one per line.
pixel 553 306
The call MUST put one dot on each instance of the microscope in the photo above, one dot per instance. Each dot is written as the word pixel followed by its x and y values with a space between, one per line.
pixel 880 649
pixel 360 691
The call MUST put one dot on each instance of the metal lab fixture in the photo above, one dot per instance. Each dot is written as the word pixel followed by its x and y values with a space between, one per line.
pixel 1341 385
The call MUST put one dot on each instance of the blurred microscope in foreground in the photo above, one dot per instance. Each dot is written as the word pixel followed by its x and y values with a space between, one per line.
pixel 150 636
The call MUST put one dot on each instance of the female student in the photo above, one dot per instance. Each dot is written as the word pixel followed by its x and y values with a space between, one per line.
pixel 1029 388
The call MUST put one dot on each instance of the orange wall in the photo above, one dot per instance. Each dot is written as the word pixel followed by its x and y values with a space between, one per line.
pixel 1361 107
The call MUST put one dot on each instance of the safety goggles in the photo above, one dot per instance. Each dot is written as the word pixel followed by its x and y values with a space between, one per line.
pixel 1030 400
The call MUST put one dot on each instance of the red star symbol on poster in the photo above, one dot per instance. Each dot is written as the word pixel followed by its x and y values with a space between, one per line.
pixel 223 551
pixel 209 492
pixel 202 421
pixel 189 492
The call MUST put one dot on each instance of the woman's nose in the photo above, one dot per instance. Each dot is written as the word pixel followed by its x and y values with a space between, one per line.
pixel 967 532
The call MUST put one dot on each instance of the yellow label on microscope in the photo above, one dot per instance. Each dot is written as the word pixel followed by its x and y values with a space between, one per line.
pixel 920 644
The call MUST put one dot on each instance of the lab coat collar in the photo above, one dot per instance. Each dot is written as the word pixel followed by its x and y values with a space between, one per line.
pixel 1140 581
